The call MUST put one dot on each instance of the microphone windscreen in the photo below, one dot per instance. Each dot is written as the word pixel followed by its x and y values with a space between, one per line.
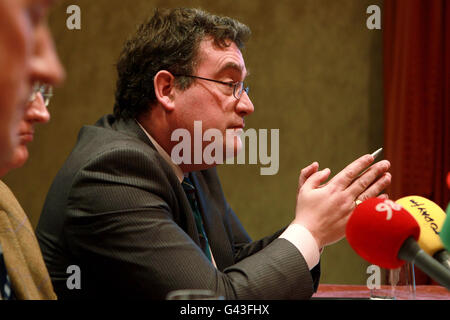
pixel 448 180
pixel 377 229
pixel 430 218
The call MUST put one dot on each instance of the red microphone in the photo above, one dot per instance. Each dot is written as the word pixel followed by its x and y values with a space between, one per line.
pixel 385 234
pixel 377 229
pixel 448 180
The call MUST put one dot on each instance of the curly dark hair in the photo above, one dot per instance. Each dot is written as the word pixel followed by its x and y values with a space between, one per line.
pixel 167 41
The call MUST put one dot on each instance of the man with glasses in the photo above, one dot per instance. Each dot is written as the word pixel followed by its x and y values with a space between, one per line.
pixel 35 112
pixel 139 226
pixel 27 57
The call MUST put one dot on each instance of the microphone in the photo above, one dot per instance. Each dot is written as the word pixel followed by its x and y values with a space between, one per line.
pixel 445 232
pixel 385 234
pixel 430 218
pixel 448 180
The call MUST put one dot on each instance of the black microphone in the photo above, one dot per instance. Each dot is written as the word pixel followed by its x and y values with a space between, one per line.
pixel 411 251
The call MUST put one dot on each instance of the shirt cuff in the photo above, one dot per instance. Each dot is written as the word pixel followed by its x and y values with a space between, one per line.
pixel 300 237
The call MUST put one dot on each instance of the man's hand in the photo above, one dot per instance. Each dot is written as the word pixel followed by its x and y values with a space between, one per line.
pixel 325 209
pixel 306 173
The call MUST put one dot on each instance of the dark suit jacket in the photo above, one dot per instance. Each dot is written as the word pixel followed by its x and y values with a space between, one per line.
pixel 117 210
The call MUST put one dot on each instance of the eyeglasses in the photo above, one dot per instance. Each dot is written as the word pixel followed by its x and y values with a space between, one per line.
pixel 46 91
pixel 238 87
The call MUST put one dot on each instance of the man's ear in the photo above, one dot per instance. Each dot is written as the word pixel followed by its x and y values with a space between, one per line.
pixel 164 83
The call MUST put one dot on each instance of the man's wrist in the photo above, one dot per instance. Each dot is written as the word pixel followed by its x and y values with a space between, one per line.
pixel 305 242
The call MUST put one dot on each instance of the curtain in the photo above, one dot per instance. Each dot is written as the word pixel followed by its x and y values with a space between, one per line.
pixel 416 62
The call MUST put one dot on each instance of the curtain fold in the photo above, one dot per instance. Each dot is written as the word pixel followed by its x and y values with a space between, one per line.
pixel 416 52
pixel 417 97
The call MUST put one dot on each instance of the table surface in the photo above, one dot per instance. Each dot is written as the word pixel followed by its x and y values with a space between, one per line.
pixel 359 291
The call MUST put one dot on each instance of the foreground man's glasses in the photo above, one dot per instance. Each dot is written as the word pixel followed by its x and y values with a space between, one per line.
pixel 46 91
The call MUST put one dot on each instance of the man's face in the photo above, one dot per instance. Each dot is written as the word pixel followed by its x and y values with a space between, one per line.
pixel 27 55
pixel 213 103
pixel 36 112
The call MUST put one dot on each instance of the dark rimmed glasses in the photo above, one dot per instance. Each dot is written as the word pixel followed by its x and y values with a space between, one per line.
pixel 238 87
pixel 46 91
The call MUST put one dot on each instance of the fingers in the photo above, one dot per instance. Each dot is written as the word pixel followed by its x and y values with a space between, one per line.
pixel 344 178
pixel 375 189
pixel 362 198
pixel 306 173
pixel 372 182
pixel 316 179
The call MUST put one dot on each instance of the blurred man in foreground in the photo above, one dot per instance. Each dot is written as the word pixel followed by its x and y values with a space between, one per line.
pixel 27 59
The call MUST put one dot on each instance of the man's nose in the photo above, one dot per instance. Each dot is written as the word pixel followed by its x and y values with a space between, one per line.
pixel 245 106
pixel 37 111
pixel 45 64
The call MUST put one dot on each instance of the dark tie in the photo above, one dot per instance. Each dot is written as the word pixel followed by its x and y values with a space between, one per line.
pixel 5 284
pixel 189 189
